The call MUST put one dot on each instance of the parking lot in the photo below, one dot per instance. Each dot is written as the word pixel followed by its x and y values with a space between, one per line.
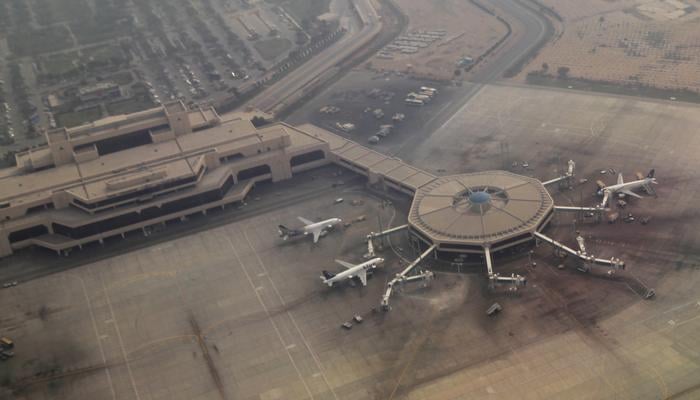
pixel 360 93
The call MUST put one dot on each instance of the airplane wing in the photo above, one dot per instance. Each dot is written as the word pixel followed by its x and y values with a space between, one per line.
pixel 630 193
pixel 620 180
pixel 345 264
pixel 363 277
pixel 317 233
pixel 304 221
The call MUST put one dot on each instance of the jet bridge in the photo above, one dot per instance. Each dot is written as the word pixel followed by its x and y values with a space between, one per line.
pixel 564 180
pixel 596 211
pixel 374 235
pixel 402 277
pixel 589 260
pixel 495 278
pixel 568 208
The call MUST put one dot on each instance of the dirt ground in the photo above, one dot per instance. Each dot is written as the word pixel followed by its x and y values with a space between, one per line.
pixel 573 10
pixel 469 32
pixel 650 43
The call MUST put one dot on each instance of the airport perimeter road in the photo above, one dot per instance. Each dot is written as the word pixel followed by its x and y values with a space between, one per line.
pixel 530 28
pixel 296 81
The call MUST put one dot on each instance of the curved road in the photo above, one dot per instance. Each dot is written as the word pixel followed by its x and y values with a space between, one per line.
pixel 530 30
pixel 289 87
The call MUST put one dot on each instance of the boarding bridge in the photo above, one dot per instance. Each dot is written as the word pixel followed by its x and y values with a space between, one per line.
pixel 596 211
pixel 614 264
pixel 495 278
pixel 375 235
pixel 403 277
pixel 565 181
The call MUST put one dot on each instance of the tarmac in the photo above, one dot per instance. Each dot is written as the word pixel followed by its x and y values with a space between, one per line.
pixel 232 312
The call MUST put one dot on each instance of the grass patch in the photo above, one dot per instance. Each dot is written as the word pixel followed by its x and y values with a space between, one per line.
pixel 271 48
pixel 62 64
pixel 29 42
pixel 75 118
pixel 131 105
pixel 104 55
pixel 68 64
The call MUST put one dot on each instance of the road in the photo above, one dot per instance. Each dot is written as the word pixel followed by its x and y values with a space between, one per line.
pixel 297 80
pixel 530 29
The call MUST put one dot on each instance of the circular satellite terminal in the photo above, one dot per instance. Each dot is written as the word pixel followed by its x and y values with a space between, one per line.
pixel 465 213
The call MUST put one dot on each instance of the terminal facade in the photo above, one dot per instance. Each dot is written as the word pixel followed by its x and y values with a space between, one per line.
pixel 127 172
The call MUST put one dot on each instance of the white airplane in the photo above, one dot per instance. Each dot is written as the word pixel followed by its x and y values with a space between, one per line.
pixel 351 271
pixel 626 188
pixel 315 228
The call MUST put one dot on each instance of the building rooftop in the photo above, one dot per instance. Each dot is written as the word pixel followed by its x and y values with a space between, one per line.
pixel 175 157
pixel 480 208
pixel 355 155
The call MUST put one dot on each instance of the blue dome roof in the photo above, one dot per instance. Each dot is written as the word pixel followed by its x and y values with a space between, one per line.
pixel 479 198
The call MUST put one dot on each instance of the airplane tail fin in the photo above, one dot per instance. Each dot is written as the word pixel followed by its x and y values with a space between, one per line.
pixel 283 231
pixel 327 275
pixel 651 173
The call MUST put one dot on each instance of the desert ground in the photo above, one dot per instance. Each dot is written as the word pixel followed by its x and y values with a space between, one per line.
pixel 636 43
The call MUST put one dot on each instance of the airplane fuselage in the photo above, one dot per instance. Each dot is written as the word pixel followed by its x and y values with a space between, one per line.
pixel 354 271
pixel 322 225
pixel 315 229
pixel 642 183
pixel 622 188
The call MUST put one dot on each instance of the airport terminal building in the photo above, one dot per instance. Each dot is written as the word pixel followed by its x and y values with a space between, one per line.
pixel 127 172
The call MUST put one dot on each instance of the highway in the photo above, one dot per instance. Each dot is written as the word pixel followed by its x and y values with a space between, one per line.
pixel 296 81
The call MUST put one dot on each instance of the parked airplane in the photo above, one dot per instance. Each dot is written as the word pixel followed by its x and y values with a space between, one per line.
pixel 315 228
pixel 351 271
pixel 626 188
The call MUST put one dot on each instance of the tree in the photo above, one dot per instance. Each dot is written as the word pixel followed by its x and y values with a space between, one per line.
pixel 545 67
pixel 563 72
pixel 458 72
